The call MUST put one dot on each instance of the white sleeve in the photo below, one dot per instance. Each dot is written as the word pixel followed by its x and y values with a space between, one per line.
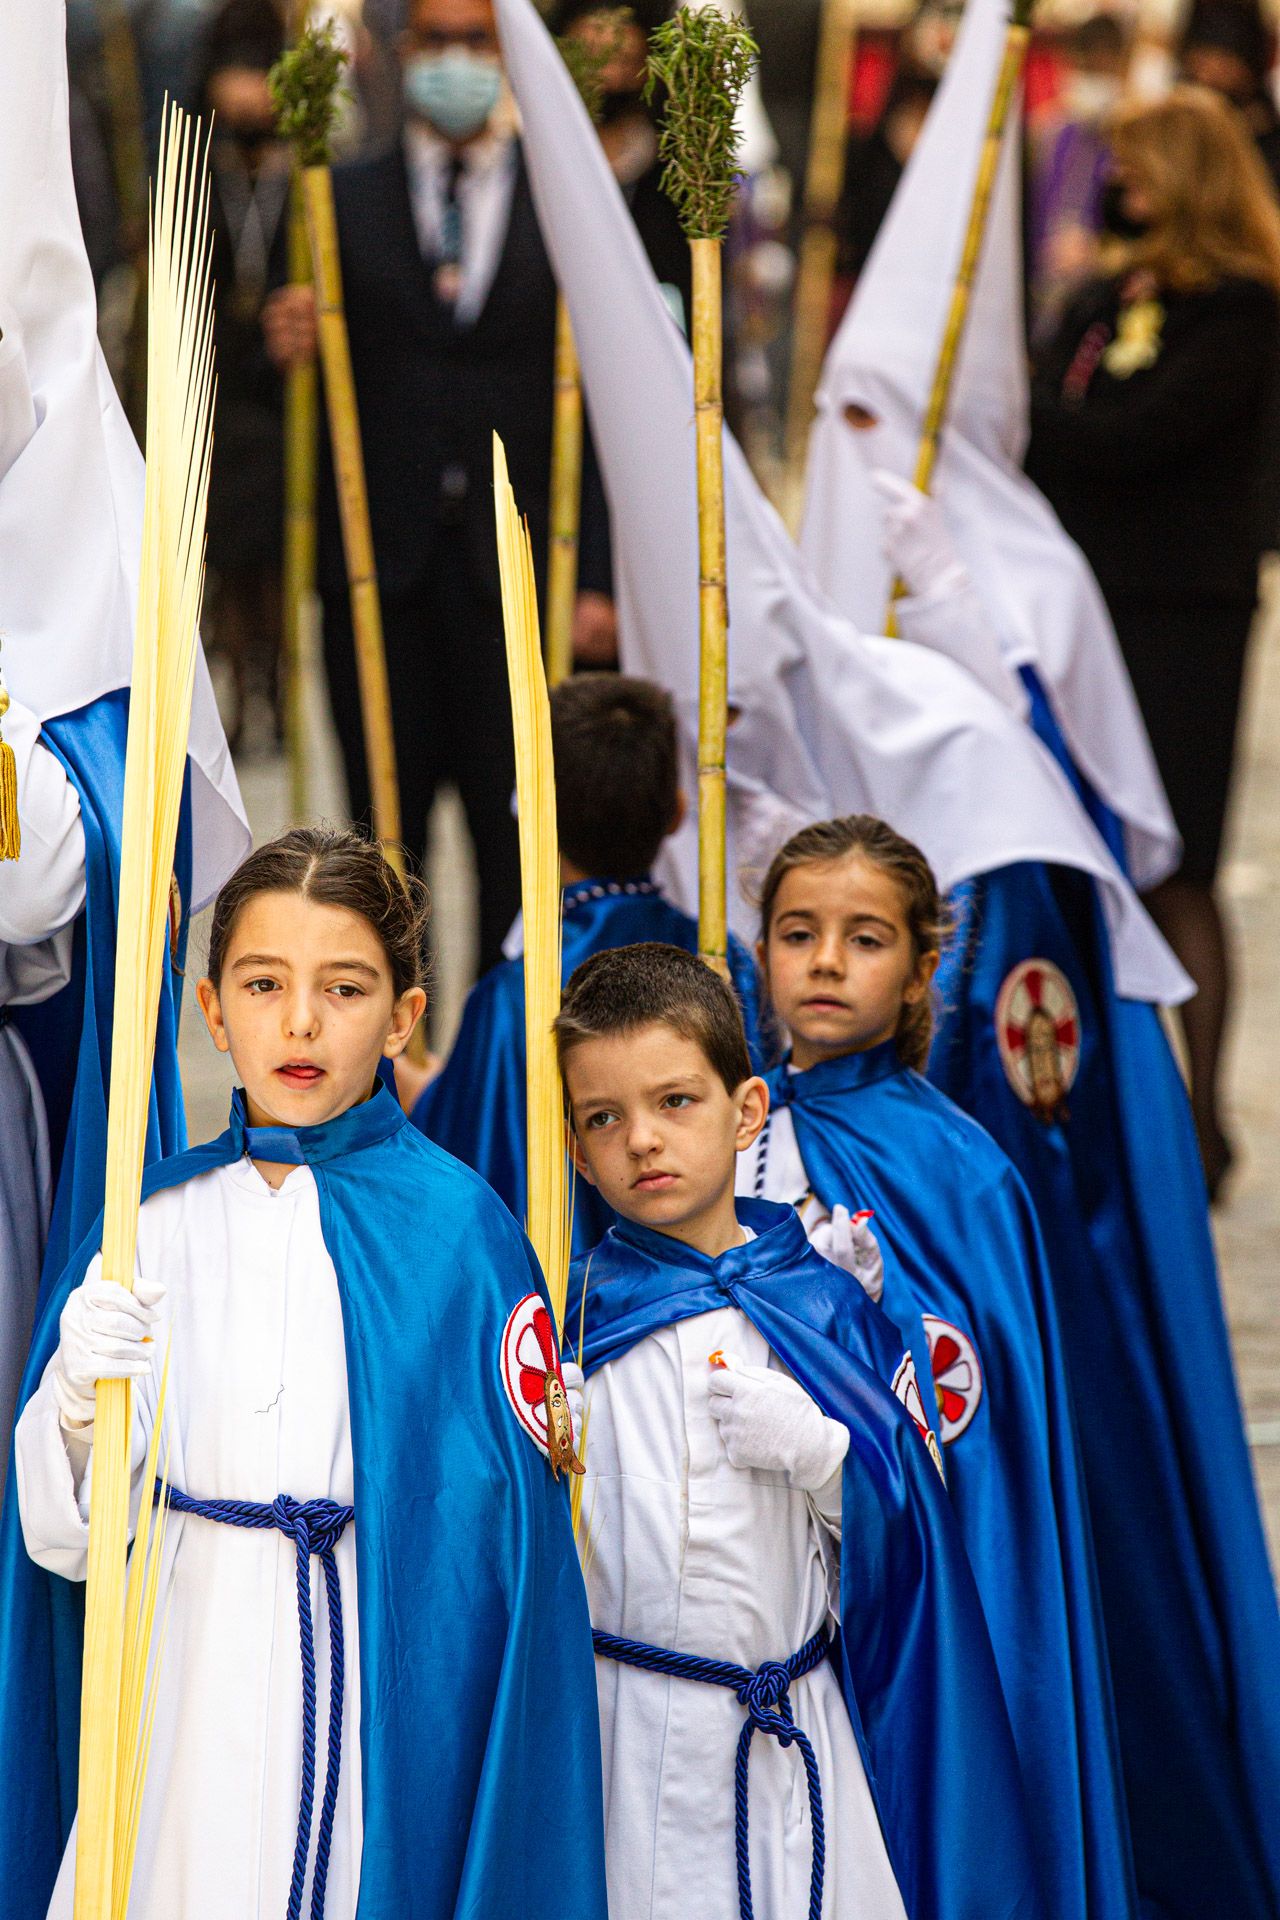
pixel 54 1473
pixel 951 620
pixel 43 890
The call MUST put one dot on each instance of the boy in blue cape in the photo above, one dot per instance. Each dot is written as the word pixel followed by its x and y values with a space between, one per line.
pixel 757 1472
pixel 617 799
pixel 375 1693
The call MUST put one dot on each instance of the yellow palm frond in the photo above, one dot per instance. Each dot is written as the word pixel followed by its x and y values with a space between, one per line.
pixel 171 581
pixel 547 1217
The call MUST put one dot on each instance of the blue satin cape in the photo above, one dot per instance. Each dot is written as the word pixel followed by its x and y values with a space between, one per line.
pixel 69 1035
pixel 960 1240
pixel 1186 1587
pixel 475 1108
pixel 479 1732
pixel 918 1675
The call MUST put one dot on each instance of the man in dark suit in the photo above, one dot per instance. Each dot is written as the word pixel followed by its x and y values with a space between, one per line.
pixel 451 309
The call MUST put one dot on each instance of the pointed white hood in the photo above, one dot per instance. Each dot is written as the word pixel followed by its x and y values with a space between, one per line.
pixel 71 476
pixel 828 721
pixel 1035 585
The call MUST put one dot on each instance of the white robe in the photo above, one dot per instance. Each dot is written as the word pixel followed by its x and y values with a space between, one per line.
pixel 257 1405
pixel 687 1552
pixel 41 893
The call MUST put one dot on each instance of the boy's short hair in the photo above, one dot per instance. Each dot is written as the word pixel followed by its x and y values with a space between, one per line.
pixel 617 772
pixel 623 988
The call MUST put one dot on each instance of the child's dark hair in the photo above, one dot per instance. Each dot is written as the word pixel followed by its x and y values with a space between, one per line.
pixel 335 867
pixel 617 772
pixel 928 915
pixel 623 988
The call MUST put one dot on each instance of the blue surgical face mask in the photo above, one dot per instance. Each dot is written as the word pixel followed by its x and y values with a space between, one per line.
pixel 455 90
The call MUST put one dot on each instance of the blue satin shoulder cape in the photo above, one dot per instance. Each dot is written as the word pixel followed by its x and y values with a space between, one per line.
pixel 960 1242
pixel 69 1035
pixel 918 1675
pixel 475 1108
pixel 479 1730
pixel 1186 1587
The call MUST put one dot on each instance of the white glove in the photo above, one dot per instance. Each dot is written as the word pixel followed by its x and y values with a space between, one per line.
pixel 104 1334
pixel 767 1421
pixel 916 540
pixel 847 1241
pixel 575 1393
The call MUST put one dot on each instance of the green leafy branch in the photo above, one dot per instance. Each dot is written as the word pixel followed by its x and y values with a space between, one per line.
pixel 587 57
pixel 703 60
pixel 305 84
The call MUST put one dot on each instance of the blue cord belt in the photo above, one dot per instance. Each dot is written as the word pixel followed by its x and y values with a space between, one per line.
pixel 764 1694
pixel 315 1527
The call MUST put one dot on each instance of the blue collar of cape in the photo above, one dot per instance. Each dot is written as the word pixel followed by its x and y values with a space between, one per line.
pixel 916 1662
pixel 472 1617
pixel 847 1071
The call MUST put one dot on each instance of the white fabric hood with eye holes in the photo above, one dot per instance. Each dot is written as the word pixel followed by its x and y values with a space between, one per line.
pixel 828 720
pixel 71 476
pixel 1034 584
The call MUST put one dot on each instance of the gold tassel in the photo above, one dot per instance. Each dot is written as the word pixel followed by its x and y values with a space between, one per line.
pixel 10 827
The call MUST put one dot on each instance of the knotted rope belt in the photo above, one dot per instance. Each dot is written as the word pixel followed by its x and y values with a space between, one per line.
pixel 764 1694
pixel 315 1527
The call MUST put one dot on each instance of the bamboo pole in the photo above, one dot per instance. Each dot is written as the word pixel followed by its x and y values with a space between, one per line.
pixel 304 86
pixel 713 604
pixel 1015 52
pixel 566 501
pixel 819 243
pixel 704 60
pixel 353 509
pixel 299 571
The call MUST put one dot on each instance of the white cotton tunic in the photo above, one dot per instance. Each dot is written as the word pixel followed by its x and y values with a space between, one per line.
pixel 687 1552
pixel 41 893
pixel 257 1406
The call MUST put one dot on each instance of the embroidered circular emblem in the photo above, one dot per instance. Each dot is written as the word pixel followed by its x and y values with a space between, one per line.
pixel 534 1384
pixel 1038 1034
pixel 957 1376
pixel 906 1387
pixel 528 1356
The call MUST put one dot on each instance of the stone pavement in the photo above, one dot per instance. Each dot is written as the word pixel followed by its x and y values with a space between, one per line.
pixel 1247 1227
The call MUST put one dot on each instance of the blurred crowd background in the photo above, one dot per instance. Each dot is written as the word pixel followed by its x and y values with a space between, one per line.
pixel 214 55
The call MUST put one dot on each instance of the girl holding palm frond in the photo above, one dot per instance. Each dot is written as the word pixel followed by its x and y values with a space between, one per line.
pixel 334 1297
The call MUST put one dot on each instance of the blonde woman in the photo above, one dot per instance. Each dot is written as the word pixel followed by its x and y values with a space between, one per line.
pixel 1153 427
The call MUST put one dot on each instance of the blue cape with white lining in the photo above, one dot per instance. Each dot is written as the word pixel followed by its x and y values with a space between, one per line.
pixel 69 1035
pixel 478 1722
pixel 919 1679
pixel 475 1108
pixel 961 1245
pixel 1186 1586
